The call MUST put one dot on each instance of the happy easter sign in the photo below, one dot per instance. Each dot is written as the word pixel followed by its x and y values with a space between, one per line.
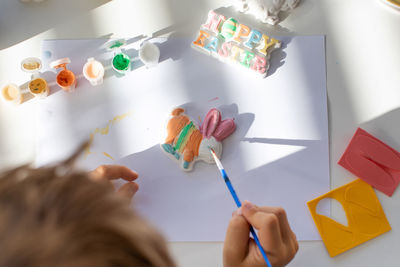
pixel 233 42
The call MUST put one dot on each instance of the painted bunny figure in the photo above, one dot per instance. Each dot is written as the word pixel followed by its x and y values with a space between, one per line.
pixel 266 11
pixel 187 143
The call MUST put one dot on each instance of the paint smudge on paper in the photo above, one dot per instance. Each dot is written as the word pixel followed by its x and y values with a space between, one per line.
pixel 108 155
pixel 214 99
pixel 104 131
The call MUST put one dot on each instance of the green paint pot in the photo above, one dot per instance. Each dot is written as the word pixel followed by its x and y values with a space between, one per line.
pixel 121 63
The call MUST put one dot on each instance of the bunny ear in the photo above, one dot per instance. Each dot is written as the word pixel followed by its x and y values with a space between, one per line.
pixel 224 129
pixel 210 122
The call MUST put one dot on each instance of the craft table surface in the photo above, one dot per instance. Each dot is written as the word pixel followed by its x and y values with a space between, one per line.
pixel 363 64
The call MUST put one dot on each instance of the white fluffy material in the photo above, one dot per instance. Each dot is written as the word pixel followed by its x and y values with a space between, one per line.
pixel 267 11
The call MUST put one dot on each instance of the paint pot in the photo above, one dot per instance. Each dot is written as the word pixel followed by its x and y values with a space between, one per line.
pixel 121 63
pixel 93 71
pixel 65 78
pixel 11 93
pixel 149 54
pixel 31 65
pixel 37 86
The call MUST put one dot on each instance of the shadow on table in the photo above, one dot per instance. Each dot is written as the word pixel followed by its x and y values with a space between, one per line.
pixel 22 21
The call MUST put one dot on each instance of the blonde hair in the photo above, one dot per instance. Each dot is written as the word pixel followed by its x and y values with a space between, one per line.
pixel 47 219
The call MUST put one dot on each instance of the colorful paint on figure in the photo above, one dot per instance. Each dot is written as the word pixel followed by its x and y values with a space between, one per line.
pixel 259 64
pixel 242 32
pixel 228 29
pixel 247 58
pixel 201 38
pixel 232 42
pixel 212 45
pixel 187 143
pixel 213 22
pixel 254 39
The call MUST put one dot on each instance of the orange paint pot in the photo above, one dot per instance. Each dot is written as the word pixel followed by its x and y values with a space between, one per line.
pixel 65 79
pixel 93 71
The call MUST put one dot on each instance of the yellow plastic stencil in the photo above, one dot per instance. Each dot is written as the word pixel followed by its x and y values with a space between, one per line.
pixel 364 213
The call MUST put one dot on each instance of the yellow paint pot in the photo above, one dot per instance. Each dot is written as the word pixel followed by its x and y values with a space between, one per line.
pixel 38 87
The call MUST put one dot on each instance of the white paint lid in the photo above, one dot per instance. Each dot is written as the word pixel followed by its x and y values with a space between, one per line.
pixel 149 54
pixel 31 64
pixel 115 44
pixel 58 63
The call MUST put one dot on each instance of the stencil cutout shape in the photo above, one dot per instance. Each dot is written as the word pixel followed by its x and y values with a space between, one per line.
pixel 365 216
pixel 372 161
pixel 332 208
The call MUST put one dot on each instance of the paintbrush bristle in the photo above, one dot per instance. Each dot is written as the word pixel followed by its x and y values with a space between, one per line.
pixel 216 159
pixel 212 151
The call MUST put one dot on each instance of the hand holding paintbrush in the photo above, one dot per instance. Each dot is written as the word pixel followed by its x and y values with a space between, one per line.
pixel 274 234
pixel 274 237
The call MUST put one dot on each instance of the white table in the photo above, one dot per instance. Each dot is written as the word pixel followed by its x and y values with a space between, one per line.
pixel 363 64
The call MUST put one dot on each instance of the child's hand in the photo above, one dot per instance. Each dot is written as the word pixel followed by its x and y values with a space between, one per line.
pixel 111 172
pixel 274 233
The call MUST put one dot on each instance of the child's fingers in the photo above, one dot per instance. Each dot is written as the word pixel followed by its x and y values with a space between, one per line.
pixel 289 238
pixel 236 240
pixel 267 224
pixel 128 190
pixel 286 231
pixel 111 172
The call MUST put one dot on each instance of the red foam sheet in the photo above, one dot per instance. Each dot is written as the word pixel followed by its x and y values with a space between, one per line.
pixel 372 161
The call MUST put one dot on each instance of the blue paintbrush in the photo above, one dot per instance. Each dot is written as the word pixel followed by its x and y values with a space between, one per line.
pixel 238 203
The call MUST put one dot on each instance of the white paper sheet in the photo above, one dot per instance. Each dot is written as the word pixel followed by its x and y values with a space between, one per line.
pixel 278 155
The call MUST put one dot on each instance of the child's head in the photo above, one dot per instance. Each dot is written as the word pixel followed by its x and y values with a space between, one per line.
pixel 49 219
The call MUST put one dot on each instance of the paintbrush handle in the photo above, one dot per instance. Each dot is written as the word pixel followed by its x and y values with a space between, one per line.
pixel 231 189
pixel 264 254
pixel 239 204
